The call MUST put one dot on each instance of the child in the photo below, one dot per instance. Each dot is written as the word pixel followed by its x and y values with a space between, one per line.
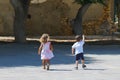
pixel 77 49
pixel 45 50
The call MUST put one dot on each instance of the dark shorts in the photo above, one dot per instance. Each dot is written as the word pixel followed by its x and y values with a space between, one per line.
pixel 80 56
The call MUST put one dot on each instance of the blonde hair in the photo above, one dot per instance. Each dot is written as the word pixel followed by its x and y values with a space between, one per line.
pixel 44 38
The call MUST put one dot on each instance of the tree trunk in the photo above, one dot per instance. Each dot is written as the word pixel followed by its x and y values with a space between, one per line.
pixel 77 23
pixel 21 9
pixel 118 13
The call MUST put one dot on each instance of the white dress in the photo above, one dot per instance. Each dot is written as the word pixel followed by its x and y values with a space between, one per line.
pixel 46 53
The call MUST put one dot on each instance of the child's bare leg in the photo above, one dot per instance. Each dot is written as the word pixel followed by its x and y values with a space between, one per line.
pixel 43 63
pixel 48 61
pixel 83 64
pixel 77 62
pixel 48 64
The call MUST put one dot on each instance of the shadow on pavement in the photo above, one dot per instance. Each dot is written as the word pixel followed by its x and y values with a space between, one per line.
pixel 94 69
pixel 102 49
pixel 60 70
pixel 17 55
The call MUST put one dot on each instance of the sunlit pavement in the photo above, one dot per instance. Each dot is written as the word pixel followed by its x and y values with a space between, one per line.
pixel 21 62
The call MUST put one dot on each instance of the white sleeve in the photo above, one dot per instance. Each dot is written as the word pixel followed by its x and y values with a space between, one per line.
pixel 73 46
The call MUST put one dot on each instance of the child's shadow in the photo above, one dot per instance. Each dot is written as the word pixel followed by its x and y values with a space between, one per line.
pixel 94 69
pixel 60 70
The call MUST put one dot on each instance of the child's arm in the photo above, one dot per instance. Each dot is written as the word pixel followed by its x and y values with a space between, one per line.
pixel 83 36
pixel 40 48
pixel 73 50
pixel 51 47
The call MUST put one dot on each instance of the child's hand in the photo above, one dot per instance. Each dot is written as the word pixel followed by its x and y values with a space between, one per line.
pixel 83 37
pixel 72 53
pixel 38 53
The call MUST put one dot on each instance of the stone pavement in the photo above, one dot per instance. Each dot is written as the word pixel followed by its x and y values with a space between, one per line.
pixel 21 62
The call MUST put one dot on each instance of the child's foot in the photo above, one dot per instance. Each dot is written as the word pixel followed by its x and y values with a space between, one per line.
pixel 44 67
pixel 48 66
pixel 83 66
pixel 76 68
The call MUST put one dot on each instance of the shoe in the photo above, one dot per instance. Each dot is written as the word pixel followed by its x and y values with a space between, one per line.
pixel 48 66
pixel 76 68
pixel 83 66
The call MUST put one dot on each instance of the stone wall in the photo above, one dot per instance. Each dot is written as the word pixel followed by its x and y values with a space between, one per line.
pixel 48 17
pixel 6 18
pixel 51 16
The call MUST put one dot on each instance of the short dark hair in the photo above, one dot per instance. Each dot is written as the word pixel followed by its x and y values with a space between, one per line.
pixel 78 37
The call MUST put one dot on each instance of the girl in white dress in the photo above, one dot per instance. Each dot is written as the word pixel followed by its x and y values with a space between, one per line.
pixel 45 50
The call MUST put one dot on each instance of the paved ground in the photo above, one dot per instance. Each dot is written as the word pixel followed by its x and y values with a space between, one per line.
pixel 21 62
